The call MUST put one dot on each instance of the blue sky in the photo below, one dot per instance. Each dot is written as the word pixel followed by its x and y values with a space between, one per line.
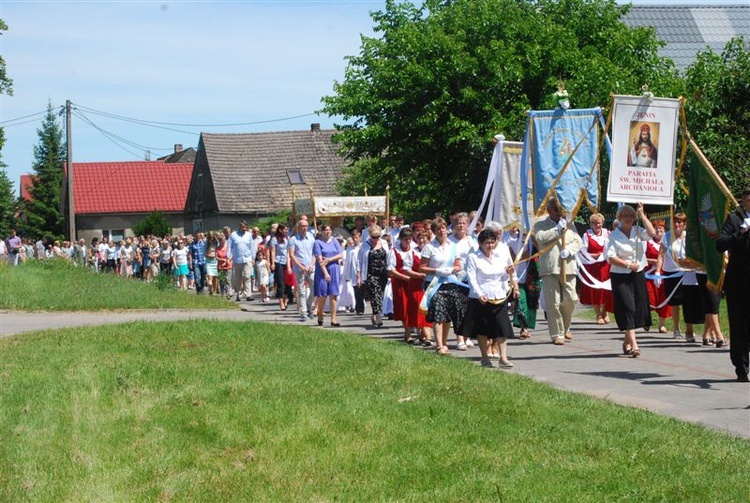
pixel 199 63
pixel 182 62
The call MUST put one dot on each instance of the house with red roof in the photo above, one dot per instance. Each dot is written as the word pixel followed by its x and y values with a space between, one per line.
pixel 111 197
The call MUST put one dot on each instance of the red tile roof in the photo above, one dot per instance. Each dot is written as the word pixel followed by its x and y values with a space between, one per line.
pixel 26 182
pixel 130 187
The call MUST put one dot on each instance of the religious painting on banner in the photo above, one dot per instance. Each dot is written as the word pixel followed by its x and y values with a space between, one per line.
pixel 564 156
pixel 644 139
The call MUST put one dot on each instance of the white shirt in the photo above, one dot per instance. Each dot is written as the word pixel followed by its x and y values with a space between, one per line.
pixel 350 264
pixel 488 276
pixel 677 250
pixel 631 248
pixel 438 256
pixel 406 257
pixel 180 256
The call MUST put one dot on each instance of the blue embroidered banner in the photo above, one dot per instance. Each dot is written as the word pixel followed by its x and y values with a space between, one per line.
pixel 552 138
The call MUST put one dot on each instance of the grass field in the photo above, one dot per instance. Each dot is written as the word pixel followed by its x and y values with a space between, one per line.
pixel 57 285
pixel 225 411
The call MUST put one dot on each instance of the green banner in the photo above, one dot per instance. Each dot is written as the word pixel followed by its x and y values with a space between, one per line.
pixel 707 208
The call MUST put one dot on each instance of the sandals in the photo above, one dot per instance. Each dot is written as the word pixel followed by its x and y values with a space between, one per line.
pixel 635 353
pixel 708 342
pixel 720 343
pixel 524 334
pixel 626 349
pixel 443 350
pixel 690 337
pixel 600 320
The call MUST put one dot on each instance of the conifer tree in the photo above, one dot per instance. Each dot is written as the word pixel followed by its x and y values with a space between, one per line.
pixel 43 216
pixel 7 203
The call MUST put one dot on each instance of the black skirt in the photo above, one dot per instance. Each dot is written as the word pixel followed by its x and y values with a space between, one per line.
pixel 671 285
pixel 449 305
pixel 631 300
pixel 487 319
pixel 710 299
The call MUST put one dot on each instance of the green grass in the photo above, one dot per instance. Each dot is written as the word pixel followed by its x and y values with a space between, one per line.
pixel 227 411
pixel 57 285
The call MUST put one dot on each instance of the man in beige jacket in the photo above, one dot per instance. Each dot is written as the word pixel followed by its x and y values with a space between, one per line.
pixel 558 243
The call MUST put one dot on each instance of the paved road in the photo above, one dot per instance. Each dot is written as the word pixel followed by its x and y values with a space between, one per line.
pixel 687 381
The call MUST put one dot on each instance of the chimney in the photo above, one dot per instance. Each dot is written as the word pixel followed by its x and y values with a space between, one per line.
pixel 177 148
pixel 315 127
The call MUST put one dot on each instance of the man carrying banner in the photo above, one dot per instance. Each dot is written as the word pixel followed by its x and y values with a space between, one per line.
pixel 558 245
pixel 734 237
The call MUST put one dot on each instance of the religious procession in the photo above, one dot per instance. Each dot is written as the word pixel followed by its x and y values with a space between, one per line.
pixel 485 274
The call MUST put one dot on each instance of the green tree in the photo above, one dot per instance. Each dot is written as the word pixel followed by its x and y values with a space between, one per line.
pixel 6 84
pixel 718 110
pixel 43 216
pixel 7 202
pixel 155 224
pixel 423 100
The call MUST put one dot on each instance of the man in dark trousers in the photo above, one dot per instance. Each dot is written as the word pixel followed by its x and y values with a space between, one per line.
pixel 735 238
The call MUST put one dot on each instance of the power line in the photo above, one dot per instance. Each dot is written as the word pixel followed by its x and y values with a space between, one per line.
pixel 112 135
pixel 106 134
pixel 235 124
pixel 8 123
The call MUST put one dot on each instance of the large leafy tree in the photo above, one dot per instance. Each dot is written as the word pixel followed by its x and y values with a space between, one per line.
pixel 718 110
pixel 43 216
pixel 422 100
pixel 7 202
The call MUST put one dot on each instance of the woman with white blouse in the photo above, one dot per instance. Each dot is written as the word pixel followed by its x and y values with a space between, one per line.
pixel 492 281
pixel 441 259
pixel 626 254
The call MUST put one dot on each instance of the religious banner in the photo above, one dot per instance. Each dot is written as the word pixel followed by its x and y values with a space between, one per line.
pixel 562 151
pixel 644 140
pixel 708 205
pixel 502 191
pixel 342 206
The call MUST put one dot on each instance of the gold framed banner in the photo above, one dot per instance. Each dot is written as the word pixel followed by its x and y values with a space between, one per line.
pixel 644 143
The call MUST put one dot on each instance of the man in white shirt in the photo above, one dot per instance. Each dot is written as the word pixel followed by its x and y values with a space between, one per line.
pixel 302 264
pixel 241 251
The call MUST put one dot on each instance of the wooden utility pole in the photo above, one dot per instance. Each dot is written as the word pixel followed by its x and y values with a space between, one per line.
pixel 69 148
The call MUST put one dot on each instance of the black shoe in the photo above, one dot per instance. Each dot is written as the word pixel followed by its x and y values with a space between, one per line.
pixel 743 378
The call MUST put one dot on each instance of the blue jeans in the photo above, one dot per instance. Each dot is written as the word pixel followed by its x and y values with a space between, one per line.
pixel 199 272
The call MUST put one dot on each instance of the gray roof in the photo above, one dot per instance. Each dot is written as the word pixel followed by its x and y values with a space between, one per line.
pixel 181 156
pixel 689 29
pixel 249 170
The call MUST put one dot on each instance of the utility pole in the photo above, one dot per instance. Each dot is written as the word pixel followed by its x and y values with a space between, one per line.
pixel 69 147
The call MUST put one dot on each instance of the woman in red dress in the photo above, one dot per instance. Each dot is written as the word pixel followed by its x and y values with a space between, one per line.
pixel 595 289
pixel 656 291
pixel 407 282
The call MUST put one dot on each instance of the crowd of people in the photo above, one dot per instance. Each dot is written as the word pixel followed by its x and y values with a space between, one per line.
pixel 436 275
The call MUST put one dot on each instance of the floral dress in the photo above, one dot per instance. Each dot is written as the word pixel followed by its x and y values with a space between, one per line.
pixel 377 277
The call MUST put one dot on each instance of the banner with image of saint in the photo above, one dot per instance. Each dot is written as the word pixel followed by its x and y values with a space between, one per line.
pixel 644 142
pixel 562 151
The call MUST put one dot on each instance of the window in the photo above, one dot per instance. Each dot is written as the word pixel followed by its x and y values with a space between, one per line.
pixel 295 177
pixel 197 225
pixel 114 234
